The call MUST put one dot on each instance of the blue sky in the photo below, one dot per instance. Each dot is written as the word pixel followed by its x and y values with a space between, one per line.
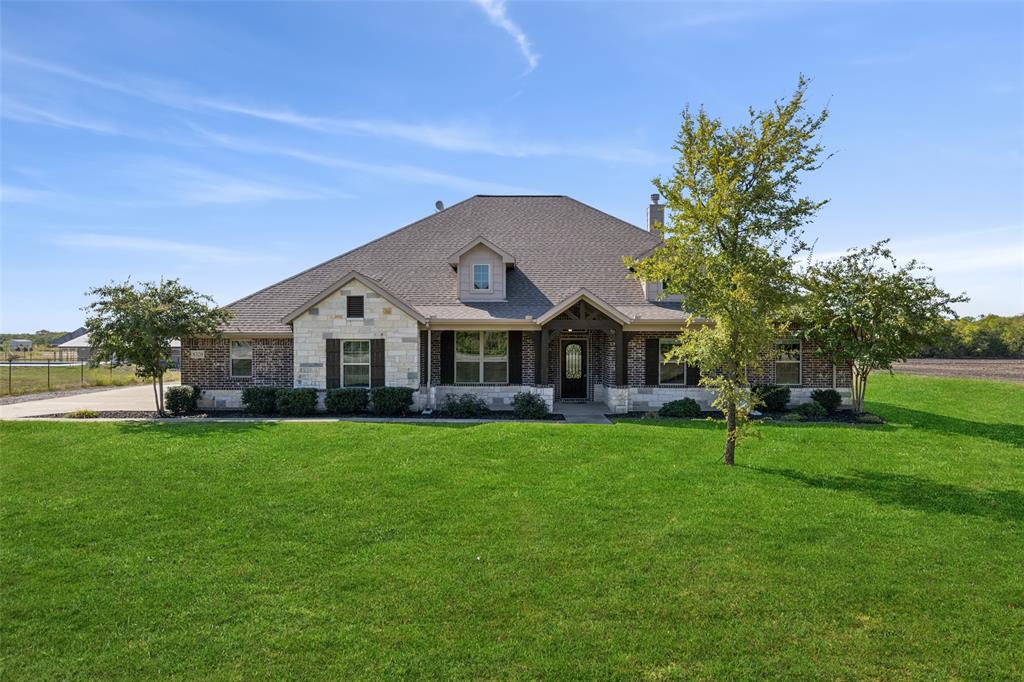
pixel 232 144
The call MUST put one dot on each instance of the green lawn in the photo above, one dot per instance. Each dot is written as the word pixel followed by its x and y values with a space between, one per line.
pixel 509 550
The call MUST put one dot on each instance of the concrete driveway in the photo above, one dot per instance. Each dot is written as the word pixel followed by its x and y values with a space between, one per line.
pixel 135 398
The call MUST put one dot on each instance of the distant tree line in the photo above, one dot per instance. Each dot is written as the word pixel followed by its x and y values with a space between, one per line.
pixel 43 337
pixel 988 336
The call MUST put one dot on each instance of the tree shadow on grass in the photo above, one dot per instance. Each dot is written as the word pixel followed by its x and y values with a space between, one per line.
pixel 914 492
pixel 201 428
pixel 1011 434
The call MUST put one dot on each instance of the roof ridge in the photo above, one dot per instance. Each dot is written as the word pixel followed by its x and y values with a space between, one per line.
pixel 350 251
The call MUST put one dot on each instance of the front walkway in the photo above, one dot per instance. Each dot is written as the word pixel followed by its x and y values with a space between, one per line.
pixel 129 399
pixel 583 413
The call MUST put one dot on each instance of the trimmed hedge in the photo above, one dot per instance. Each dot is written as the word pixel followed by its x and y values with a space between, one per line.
pixel 773 398
pixel 260 399
pixel 181 400
pixel 465 406
pixel 687 408
pixel 529 406
pixel 390 401
pixel 347 400
pixel 827 398
pixel 296 402
pixel 811 410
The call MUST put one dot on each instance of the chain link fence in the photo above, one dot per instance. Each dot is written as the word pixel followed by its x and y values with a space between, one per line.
pixel 21 377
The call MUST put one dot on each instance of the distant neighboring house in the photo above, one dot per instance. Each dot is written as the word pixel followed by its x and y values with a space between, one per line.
pixel 491 296
pixel 67 337
pixel 21 344
pixel 81 344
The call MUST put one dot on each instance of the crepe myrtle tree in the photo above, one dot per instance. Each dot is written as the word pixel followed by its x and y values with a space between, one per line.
pixel 136 323
pixel 730 248
pixel 866 309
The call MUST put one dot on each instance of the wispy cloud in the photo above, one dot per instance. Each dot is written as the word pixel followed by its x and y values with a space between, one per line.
pixel 196 252
pixel 455 137
pixel 495 11
pixel 15 110
pixel 23 195
pixel 409 173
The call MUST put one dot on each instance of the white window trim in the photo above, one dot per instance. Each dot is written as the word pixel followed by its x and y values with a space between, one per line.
pixel 799 362
pixel 479 362
pixel 472 277
pixel 231 359
pixel 369 370
pixel 686 368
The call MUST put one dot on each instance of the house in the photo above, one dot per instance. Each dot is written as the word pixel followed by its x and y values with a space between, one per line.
pixel 64 338
pixel 492 296
pixel 23 345
pixel 84 349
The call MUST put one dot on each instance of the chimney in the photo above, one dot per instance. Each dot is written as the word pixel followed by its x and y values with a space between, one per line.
pixel 655 213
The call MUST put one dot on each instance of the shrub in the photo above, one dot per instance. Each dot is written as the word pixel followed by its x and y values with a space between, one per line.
pixel 868 418
pixel 259 399
pixel 83 414
pixel 181 400
pixel 529 406
pixel 466 406
pixel 774 398
pixel 687 407
pixel 793 417
pixel 390 401
pixel 296 402
pixel 827 398
pixel 811 410
pixel 347 400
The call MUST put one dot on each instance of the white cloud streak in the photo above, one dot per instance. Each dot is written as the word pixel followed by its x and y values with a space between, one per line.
pixel 18 111
pixel 10 194
pixel 495 11
pixel 202 253
pixel 455 137
pixel 406 172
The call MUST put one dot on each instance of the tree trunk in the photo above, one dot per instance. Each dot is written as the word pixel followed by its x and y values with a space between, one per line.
pixel 160 405
pixel 156 397
pixel 730 433
pixel 858 387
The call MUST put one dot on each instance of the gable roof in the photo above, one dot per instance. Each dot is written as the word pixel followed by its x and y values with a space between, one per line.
pixel 561 246
pixel 341 282
pixel 506 257
pixel 588 296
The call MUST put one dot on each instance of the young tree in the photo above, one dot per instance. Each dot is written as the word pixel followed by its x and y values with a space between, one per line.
pixel 136 324
pixel 865 309
pixel 731 246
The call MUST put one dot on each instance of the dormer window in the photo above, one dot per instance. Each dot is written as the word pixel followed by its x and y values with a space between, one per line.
pixel 481 277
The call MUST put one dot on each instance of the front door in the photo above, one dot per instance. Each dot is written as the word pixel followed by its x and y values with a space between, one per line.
pixel 574 370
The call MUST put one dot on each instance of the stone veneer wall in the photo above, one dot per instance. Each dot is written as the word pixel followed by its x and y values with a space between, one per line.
pixel 497 397
pixel 382 320
pixel 271 364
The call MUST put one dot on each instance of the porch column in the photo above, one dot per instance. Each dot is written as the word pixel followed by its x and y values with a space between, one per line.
pixel 545 339
pixel 620 358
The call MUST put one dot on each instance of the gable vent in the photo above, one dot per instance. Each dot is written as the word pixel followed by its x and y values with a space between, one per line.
pixel 354 306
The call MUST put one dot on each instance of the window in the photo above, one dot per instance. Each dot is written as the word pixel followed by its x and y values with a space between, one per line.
pixel 673 372
pixel 787 363
pixel 241 358
pixel 355 364
pixel 481 277
pixel 481 357
pixel 354 306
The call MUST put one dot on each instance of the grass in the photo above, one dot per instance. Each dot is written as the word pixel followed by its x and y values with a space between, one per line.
pixel 19 380
pixel 345 550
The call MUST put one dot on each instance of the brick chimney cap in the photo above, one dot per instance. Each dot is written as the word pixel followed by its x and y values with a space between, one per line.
pixel 655 197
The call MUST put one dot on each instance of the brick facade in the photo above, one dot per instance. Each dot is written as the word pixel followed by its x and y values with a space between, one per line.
pixel 271 364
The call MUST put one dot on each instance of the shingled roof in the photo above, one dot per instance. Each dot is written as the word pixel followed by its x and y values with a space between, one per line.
pixel 560 246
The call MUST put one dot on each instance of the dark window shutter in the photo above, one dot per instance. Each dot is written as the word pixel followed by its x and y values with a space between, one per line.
pixel 333 363
pixel 353 306
pixel 692 374
pixel 652 361
pixel 448 357
pixel 376 362
pixel 423 358
pixel 538 380
pixel 515 357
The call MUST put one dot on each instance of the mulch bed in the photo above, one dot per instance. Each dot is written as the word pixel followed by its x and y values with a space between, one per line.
pixel 237 414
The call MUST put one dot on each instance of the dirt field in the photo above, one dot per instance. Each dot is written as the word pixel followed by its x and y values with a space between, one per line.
pixel 971 368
